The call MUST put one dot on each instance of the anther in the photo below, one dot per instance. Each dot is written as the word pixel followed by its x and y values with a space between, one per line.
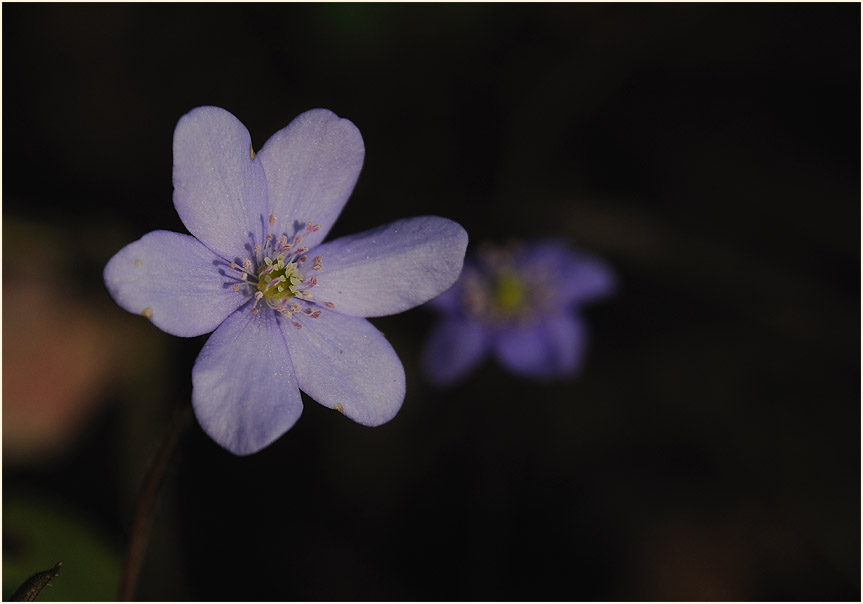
pixel 258 296
pixel 329 305
pixel 296 324
pixel 271 219
pixel 236 287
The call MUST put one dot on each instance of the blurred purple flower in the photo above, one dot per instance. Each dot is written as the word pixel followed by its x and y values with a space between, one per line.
pixel 287 310
pixel 519 303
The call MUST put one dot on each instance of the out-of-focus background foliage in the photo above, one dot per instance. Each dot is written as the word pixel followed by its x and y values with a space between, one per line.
pixel 711 448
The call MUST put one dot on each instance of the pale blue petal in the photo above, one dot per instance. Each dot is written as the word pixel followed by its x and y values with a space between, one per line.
pixel 553 347
pixel 455 346
pixel 346 364
pixel 391 268
pixel 220 192
pixel 175 281
pixel 245 393
pixel 312 166
pixel 578 277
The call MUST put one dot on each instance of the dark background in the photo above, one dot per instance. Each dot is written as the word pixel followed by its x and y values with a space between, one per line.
pixel 711 447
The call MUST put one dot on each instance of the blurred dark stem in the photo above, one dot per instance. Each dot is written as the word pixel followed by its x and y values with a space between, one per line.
pixel 146 500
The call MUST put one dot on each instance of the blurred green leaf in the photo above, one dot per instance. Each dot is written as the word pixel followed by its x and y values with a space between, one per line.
pixel 37 533
pixel 32 587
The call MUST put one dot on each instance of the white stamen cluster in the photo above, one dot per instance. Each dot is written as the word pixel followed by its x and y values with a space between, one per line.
pixel 277 275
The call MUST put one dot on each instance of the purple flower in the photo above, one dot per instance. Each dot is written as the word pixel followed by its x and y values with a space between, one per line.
pixel 520 304
pixel 288 311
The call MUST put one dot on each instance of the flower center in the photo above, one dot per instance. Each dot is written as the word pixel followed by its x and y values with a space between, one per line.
pixel 497 295
pixel 278 280
pixel 509 293
pixel 274 276
pixel 500 289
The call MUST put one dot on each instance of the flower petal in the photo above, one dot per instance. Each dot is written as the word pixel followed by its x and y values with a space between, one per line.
pixel 245 391
pixel 452 300
pixel 579 277
pixel 391 268
pixel 346 364
pixel 454 347
pixel 173 280
pixel 553 347
pixel 312 166
pixel 220 191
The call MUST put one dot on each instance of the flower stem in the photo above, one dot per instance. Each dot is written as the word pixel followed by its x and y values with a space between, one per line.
pixel 146 501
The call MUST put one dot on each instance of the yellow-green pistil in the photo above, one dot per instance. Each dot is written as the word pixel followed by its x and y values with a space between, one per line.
pixel 509 293
pixel 278 280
